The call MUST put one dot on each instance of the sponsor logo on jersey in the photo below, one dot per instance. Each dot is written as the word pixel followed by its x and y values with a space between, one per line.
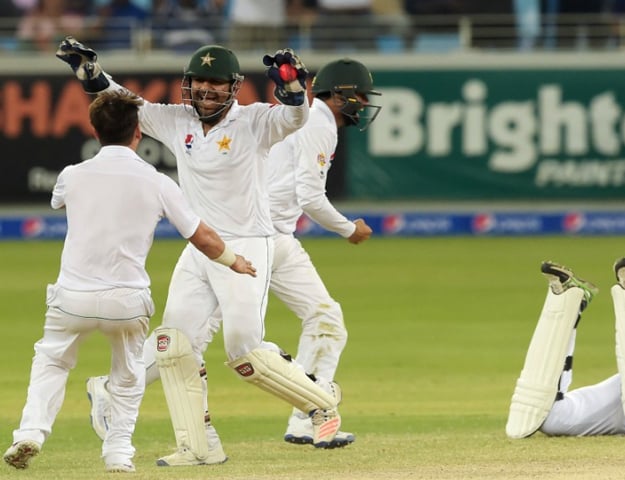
pixel 188 142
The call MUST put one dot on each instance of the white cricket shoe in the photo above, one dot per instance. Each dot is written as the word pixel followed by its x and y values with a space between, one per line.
pixel 300 431
pixel 183 457
pixel 19 454
pixel 100 400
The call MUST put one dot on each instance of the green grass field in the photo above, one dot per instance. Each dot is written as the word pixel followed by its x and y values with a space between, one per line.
pixel 438 332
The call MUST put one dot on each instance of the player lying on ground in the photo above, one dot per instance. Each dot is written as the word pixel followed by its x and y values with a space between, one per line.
pixel 541 400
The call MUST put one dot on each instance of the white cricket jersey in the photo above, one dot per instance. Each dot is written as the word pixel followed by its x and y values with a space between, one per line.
pixel 224 174
pixel 113 203
pixel 298 170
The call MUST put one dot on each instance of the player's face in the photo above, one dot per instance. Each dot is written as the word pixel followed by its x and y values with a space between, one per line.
pixel 350 107
pixel 210 95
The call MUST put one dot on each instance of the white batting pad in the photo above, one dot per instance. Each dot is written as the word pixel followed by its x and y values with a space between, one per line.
pixel 537 386
pixel 183 389
pixel 276 375
pixel 618 298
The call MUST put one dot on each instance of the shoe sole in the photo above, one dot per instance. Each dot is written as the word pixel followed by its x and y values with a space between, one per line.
pixel 298 440
pixel 162 463
pixel 25 451
pixel 336 443
pixel 566 275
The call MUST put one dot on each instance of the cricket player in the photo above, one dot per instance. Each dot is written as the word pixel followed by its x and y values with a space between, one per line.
pixel 222 150
pixel 113 204
pixel 541 400
pixel 298 171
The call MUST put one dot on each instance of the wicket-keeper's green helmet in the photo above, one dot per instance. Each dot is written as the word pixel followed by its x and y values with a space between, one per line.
pixel 211 62
pixel 214 61
pixel 343 80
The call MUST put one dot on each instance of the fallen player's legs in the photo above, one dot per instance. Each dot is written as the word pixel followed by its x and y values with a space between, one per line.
pixel 592 410
pixel 548 361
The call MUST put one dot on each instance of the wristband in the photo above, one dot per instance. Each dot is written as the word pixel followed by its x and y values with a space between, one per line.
pixel 226 258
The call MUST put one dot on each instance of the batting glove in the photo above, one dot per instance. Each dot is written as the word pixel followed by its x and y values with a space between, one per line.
pixel 289 93
pixel 84 63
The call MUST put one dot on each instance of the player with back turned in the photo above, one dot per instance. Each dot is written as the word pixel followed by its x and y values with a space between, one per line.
pixel 221 150
pixel 113 204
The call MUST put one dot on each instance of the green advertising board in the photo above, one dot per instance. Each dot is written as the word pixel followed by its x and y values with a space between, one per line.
pixel 489 134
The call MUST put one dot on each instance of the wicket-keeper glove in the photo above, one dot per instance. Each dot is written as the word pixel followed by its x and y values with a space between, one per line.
pixel 288 92
pixel 84 63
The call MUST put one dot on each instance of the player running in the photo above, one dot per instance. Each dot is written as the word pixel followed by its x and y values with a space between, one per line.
pixel 541 400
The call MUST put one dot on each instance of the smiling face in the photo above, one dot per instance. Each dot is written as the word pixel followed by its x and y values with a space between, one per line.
pixel 211 82
pixel 211 98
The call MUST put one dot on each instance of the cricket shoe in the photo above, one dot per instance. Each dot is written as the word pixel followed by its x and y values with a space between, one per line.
pixel 183 457
pixel 300 431
pixel 19 454
pixel 562 278
pixel 326 421
pixel 100 400
pixel 619 271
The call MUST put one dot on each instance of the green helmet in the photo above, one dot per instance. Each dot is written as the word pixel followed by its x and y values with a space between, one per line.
pixel 344 80
pixel 214 61
pixel 341 73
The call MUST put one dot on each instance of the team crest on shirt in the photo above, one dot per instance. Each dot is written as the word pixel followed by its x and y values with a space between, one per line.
pixel 188 142
pixel 321 161
pixel 224 144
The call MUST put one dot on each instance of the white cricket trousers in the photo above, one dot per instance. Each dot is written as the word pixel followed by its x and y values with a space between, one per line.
pixel 122 315
pixel 198 285
pixel 296 282
pixel 592 410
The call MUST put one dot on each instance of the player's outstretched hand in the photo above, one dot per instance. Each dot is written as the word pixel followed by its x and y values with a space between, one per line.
pixel 242 265
pixel 289 74
pixel 362 232
pixel 84 63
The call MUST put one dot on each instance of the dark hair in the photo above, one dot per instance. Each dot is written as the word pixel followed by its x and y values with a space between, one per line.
pixel 115 116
